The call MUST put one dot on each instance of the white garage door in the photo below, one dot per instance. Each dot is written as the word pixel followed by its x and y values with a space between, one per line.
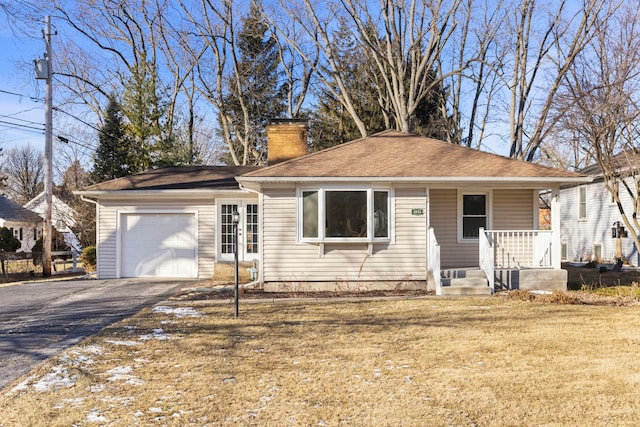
pixel 158 245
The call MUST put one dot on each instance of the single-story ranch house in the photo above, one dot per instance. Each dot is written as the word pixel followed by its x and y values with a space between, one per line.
pixel 391 210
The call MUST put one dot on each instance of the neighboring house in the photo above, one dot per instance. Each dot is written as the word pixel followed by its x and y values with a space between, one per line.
pixel 62 218
pixel 25 224
pixel 588 215
pixel 391 210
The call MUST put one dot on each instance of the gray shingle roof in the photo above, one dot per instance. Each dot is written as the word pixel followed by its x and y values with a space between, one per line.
pixel 11 211
pixel 177 178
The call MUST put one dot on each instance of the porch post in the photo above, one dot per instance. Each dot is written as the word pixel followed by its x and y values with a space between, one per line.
pixel 555 228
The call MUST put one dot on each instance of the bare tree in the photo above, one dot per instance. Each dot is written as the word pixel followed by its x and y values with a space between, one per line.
pixel 25 173
pixel 475 52
pixel 547 43
pixel 404 42
pixel 601 105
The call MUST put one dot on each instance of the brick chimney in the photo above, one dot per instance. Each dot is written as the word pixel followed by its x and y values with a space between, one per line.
pixel 286 139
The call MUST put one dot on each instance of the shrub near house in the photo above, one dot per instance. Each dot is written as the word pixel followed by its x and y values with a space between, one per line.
pixel 8 243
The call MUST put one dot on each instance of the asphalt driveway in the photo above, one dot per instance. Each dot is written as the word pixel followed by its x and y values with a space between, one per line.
pixel 38 320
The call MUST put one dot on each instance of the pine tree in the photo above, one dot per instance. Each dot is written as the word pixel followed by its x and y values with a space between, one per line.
pixel 331 123
pixel 260 91
pixel 113 156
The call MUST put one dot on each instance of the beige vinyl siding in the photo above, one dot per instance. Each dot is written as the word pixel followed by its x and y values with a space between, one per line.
pixel 287 260
pixel 444 220
pixel 107 235
pixel 513 210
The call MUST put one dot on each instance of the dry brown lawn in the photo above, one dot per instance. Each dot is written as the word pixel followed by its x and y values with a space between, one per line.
pixel 395 362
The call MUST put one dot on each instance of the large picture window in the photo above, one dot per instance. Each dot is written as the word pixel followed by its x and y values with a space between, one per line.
pixel 337 215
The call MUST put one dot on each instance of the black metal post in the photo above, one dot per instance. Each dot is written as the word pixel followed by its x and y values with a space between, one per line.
pixel 236 218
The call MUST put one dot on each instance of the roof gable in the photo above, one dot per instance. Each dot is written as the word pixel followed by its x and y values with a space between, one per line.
pixel 11 211
pixel 395 154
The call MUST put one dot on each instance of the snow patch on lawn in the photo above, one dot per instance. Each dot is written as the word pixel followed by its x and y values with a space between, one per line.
pixel 95 417
pixel 158 334
pixel 177 311
pixel 123 373
pixel 59 377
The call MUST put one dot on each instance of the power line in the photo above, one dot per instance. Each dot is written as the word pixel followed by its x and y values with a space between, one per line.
pixel 21 95
pixel 18 126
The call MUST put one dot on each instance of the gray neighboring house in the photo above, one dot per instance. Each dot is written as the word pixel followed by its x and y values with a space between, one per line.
pixel 588 215
pixel 26 225
pixel 392 210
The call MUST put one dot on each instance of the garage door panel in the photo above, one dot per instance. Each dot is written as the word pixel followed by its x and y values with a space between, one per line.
pixel 158 245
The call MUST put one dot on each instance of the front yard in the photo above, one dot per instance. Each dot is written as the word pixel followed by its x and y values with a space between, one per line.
pixel 406 361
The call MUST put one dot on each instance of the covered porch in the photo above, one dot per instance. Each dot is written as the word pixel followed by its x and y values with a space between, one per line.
pixel 507 259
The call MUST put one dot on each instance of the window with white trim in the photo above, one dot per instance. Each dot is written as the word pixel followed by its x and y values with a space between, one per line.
pixel 473 213
pixel 597 252
pixel 335 215
pixel 582 203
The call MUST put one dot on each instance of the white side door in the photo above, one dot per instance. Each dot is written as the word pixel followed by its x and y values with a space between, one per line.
pixel 248 230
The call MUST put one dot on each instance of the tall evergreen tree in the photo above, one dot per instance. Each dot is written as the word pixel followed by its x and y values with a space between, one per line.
pixel 255 94
pixel 331 123
pixel 114 155
pixel 144 109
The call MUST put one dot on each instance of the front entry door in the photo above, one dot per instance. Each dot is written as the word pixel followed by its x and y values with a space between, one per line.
pixel 248 243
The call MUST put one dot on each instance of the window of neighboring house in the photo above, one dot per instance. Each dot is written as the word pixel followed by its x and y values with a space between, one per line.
pixel 563 251
pixel 474 214
pixel 344 215
pixel 20 234
pixel 582 203
pixel 597 252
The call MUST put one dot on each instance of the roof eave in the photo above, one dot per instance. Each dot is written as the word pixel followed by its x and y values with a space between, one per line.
pixel 245 181
pixel 152 193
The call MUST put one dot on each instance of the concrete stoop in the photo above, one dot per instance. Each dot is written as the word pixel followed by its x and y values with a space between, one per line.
pixel 225 271
pixel 464 282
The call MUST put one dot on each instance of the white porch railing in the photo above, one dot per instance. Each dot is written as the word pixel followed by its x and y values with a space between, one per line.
pixel 512 249
pixel 487 256
pixel 433 260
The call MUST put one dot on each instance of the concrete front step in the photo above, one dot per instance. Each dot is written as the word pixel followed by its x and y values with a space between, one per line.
pixel 464 281
pixel 470 282
pixel 465 290
pixel 457 273
pixel 225 271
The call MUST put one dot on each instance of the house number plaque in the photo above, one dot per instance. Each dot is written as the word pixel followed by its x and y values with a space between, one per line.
pixel 417 211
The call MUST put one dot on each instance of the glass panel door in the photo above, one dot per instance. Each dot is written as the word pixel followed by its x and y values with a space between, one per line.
pixel 248 231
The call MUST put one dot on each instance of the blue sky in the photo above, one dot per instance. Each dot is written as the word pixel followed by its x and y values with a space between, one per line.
pixel 18 107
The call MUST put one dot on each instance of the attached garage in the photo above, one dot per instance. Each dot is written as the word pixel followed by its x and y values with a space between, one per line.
pixel 163 223
pixel 158 245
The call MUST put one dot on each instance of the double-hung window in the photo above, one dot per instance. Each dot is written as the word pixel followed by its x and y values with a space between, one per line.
pixel 335 215
pixel 473 214
pixel 582 203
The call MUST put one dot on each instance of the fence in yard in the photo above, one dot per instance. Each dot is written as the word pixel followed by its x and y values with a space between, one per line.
pixel 21 265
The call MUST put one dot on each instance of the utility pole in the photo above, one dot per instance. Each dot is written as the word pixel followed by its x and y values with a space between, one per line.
pixel 44 72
